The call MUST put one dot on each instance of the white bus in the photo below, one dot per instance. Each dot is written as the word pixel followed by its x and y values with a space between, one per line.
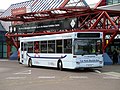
pixel 68 50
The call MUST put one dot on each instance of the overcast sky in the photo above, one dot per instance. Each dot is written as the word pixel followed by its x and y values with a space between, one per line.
pixel 6 3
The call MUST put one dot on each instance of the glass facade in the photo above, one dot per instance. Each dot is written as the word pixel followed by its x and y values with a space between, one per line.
pixel 109 2
pixel 3 46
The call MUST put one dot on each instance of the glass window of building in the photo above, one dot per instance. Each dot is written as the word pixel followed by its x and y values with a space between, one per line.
pixel 115 1
pixel 3 46
pixel 109 2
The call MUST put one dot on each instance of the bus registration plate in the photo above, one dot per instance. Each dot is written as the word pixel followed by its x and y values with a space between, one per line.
pixel 89 65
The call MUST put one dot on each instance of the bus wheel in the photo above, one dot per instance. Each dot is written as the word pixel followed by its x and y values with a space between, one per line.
pixel 60 66
pixel 30 63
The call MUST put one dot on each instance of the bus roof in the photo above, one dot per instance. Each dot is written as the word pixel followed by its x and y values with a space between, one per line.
pixel 48 37
pixel 53 36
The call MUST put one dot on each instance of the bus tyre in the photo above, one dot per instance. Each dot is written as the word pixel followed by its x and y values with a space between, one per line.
pixel 60 66
pixel 30 63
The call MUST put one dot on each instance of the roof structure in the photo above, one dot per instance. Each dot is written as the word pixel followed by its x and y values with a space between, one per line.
pixel 14 6
pixel 34 6
pixel 115 7
pixel 42 5
pixel 43 9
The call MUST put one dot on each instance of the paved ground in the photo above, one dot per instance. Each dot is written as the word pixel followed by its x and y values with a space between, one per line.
pixel 14 76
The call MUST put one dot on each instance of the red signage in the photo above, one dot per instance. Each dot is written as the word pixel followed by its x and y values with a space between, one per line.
pixel 16 22
pixel 18 11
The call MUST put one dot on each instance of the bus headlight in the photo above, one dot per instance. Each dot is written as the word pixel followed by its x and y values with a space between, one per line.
pixel 100 62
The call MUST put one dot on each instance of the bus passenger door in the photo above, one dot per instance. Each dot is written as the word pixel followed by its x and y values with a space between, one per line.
pixel 23 52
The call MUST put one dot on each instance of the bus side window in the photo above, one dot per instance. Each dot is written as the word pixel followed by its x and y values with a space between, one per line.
pixel 25 47
pixel 30 47
pixel 51 46
pixel 58 46
pixel 68 46
pixel 43 46
pixel 36 47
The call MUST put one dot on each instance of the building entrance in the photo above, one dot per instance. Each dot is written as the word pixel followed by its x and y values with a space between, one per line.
pixel 114 46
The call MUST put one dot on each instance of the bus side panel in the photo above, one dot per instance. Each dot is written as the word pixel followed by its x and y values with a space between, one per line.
pixel 51 60
pixel 68 62
pixel 44 62
pixel 48 60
